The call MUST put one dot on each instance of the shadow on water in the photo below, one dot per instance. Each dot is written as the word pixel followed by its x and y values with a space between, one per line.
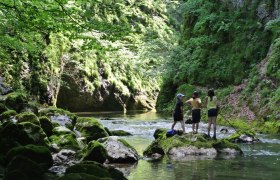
pixel 259 161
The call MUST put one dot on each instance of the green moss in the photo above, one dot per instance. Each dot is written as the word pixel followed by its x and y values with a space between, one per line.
pixel 39 154
pixel 127 144
pixel 54 111
pixel 153 148
pixel 16 101
pixel 91 169
pixel 75 176
pixel 270 127
pixel 91 128
pixel 95 151
pixel 120 133
pixel 46 125
pixel 7 114
pixel 21 165
pixel 3 108
pixel 160 133
pixel 222 144
pixel 27 117
pixel 64 138
pixel 35 133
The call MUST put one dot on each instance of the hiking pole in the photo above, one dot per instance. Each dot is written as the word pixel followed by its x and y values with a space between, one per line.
pixel 228 122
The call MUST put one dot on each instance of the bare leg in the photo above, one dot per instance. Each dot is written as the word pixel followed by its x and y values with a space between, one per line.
pixel 196 128
pixel 209 125
pixel 174 123
pixel 183 126
pixel 193 124
pixel 214 125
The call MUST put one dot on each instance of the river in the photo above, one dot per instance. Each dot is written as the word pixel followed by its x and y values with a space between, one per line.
pixel 259 161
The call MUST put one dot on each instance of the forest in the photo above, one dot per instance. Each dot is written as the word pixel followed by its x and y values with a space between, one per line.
pixel 62 58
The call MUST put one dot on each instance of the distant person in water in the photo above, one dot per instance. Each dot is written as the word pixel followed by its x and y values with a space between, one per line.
pixel 212 105
pixel 195 103
pixel 178 112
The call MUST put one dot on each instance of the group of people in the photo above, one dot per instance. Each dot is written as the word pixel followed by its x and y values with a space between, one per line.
pixel 211 102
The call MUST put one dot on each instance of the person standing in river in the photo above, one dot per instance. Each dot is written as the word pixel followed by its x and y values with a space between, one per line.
pixel 195 103
pixel 211 102
pixel 178 112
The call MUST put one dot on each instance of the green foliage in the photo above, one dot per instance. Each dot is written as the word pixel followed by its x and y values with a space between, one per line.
pixel 273 67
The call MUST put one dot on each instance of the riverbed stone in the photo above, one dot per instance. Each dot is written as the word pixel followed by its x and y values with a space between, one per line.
pixel 27 117
pixel 95 151
pixel 16 101
pixel 8 115
pixel 24 168
pixel 120 133
pixel 3 108
pixel 39 154
pixel 60 116
pixel 35 133
pixel 119 151
pixel 92 170
pixel 90 128
pixel 243 137
pixel 189 144
pixel 46 125
pixel 63 138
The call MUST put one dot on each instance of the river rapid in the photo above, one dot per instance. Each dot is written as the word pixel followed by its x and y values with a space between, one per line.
pixel 259 161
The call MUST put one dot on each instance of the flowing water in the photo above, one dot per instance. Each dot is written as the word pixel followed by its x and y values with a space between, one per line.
pixel 259 161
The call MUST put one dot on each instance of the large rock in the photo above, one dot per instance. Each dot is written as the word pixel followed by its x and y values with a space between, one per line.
pixel 64 138
pixel 90 128
pixel 13 135
pixel 96 152
pixel 160 133
pixel 3 108
pixel 21 167
pixel 62 160
pixel 60 116
pixel 39 154
pixel 4 89
pixel 27 117
pixel 46 125
pixel 16 101
pixel 120 133
pixel 92 170
pixel 182 146
pixel 243 137
pixel 8 115
pixel 119 151
pixel 35 133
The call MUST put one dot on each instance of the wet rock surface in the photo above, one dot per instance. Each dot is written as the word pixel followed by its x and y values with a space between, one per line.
pixel 119 151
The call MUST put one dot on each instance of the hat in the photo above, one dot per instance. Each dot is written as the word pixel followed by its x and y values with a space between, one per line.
pixel 180 95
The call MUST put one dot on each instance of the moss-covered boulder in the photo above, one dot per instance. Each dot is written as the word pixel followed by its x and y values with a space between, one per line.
pixel 35 133
pixel 160 133
pixel 7 115
pixel 120 133
pixel 27 117
pixel 108 131
pixel 81 176
pixel 96 152
pixel 60 116
pixel 16 101
pixel 225 147
pixel 119 151
pixel 21 167
pixel 46 125
pixel 39 154
pixel 3 108
pixel 243 136
pixel 92 170
pixel 91 128
pixel 64 138
pixel 181 146
pixel 13 135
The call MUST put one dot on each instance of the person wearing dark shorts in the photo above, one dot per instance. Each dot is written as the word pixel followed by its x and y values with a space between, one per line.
pixel 195 103
pixel 212 106
pixel 178 112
